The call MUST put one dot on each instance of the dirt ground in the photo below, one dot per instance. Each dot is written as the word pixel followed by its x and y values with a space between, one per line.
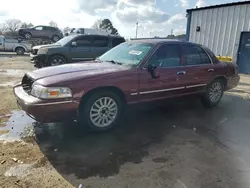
pixel 172 144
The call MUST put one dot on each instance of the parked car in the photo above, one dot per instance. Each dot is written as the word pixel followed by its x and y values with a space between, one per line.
pixel 41 31
pixel 14 45
pixel 96 92
pixel 73 48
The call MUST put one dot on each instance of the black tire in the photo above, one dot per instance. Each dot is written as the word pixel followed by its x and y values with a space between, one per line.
pixel 57 60
pixel 85 108
pixel 55 38
pixel 20 50
pixel 207 99
pixel 27 35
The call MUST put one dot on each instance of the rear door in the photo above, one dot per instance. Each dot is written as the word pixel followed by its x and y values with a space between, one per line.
pixel 198 67
pixel 100 46
pixel 82 51
pixel 37 31
pixel 171 80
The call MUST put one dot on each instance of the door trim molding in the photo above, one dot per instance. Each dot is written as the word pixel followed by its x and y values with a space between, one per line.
pixel 160 90
pixel 198 85
pixel 170 89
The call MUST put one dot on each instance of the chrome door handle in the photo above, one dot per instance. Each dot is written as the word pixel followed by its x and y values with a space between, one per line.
pixel 210 70
pixel 181 73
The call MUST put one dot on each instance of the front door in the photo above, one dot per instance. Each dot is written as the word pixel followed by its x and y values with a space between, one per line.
pixel 198 66
pixel 170 73
pixel 244 53
pixel 37 32
pixel 82 50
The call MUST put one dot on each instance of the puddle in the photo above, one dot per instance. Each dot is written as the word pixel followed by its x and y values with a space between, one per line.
pixel 15 126
pixel 18 125
pixel 13 72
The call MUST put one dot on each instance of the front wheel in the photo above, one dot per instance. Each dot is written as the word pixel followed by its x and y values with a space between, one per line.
pixel 101 111
pixel 213 94
pixel 57 60
pixel 20 51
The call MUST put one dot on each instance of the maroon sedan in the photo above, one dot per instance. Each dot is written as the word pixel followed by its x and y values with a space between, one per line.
pixel 96 92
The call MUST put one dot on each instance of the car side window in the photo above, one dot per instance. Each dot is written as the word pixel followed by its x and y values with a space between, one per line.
pixel 84 41
pixel 39 28
pixel 166 56
pixel 192 55
pixel 117 41
pixel 100 41
pixel 204 58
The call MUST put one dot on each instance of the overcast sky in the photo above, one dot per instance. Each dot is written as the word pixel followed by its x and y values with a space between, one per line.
pixel 155 17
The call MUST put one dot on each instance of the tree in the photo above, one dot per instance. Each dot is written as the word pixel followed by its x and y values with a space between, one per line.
pixel 106 25
pixel 97 24
pixel 25 25
pixel 12 25
pixel 66 29
pixel 52 24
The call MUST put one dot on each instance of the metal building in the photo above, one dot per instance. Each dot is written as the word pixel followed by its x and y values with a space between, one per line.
pixel 225 29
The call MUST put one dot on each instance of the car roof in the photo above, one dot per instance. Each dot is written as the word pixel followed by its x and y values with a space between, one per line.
pixel 114 36
pixel 160 41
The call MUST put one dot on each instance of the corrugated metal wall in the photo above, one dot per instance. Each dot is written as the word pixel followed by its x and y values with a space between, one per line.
pixel 220 28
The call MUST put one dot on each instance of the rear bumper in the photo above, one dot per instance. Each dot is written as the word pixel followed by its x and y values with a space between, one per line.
pixel 45 111
pixel 232 82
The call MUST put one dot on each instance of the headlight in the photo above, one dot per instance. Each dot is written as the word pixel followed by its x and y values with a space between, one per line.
pixel 50 92
pixel 42 50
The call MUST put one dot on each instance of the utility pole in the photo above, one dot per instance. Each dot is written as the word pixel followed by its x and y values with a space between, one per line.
pixel 136 30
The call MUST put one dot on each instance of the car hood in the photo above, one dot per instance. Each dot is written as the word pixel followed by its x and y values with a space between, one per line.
pixel 46 46
pixel 77 70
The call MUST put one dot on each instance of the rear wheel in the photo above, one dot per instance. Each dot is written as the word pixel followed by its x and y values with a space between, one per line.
pixel 55 38
pixel 57 60
pixel 101 111
pixel 27 35
pixel 20 50
pixel 213 94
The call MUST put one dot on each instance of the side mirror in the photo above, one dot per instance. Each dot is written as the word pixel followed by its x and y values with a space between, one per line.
pixel 152 71
pixel 74 44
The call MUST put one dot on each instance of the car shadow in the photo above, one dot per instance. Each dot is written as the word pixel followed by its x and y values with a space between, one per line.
pixel 72 151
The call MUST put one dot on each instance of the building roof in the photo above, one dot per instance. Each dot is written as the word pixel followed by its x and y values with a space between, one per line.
pixel 218 6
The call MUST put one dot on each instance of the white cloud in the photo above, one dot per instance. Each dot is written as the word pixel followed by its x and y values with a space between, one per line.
pixel 200 3
pixel 176 18
pixel 141 13
pixel 82 13
pixel 92 6
pixel 184 3
pixel 64 15
pixel 179 31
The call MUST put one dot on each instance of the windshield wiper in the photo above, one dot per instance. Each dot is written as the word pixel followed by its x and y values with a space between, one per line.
pixel 114 62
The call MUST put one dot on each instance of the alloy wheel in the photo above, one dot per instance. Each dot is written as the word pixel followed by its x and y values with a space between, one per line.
pixel 215 92
pixel 103 112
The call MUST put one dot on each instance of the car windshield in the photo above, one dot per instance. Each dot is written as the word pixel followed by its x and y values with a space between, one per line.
pixel 127 53
pixel 65 40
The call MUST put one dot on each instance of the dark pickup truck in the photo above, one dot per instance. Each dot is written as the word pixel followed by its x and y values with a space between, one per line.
pixel 73 48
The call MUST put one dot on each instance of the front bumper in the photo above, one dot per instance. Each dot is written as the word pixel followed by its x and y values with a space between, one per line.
pixel 45 111
pixel 39 61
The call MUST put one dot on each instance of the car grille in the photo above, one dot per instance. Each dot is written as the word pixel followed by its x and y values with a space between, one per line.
pixel 34 51
pixel 27 84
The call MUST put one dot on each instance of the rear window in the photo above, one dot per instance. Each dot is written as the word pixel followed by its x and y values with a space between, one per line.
pixel 117 41
pixel 211 54
pixel 195 55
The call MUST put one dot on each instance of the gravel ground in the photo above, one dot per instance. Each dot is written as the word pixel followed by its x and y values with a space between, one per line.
pixel 175 144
